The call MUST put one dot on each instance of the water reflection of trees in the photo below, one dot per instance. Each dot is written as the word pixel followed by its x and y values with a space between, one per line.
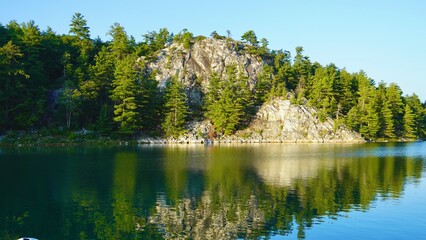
pixel 239 200
pixel 217 193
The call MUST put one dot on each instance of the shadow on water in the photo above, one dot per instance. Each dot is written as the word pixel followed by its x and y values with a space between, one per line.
pixel 199 192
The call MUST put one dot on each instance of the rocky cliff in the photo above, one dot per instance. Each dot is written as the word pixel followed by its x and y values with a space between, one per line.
pixel 281 121
pixel 194 66
pixel 276 121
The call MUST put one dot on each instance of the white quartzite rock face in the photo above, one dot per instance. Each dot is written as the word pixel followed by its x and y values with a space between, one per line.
pixel 195 65
pixel 279 120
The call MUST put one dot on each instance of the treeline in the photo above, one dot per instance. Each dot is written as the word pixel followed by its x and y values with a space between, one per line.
pixel 70 82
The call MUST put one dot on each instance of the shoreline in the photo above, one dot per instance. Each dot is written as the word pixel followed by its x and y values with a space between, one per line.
pixel 95 139
pixel 165 142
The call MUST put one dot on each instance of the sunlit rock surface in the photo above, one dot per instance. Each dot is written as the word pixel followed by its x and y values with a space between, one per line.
pixel 281 121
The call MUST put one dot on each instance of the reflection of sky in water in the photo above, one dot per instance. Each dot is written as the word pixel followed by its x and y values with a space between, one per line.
pixel 415 149
pixel 386 219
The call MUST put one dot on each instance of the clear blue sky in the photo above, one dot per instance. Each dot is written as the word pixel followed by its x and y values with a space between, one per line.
pixel 385 38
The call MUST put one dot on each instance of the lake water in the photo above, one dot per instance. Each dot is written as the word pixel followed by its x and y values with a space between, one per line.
pixel 276 191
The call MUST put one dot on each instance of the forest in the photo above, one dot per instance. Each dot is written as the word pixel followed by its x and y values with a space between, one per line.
pixel 65 83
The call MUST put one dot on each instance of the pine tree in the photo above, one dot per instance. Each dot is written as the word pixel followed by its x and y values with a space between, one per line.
pixel 33 106
pixel 302 70
pixel 353 119
pixel 121 45
pixel 152 103
pixel 409 123
pixel 263 85
pixel 388 121
pixel 228 105
pixel 176 109
pixel 249 37
pixel 322 92
pixel 81 40
pixel 396 105
pixel 78 26
pixel 349 90
pixel 369 122
pixel 12 76
pixel 126 94
pixel 102 75
pixel 419 114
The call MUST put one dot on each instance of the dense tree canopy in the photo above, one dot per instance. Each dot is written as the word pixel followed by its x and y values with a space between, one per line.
pixel 72 82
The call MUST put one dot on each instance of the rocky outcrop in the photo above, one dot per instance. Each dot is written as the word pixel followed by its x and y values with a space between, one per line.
pixel 281 121
pixel 275 121
pixel 194 66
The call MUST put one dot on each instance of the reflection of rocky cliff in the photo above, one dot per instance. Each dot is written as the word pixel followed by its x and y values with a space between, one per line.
pixel 283 166
pixel 204 220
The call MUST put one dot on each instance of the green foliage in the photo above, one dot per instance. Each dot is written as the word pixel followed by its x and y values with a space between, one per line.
pixel 409 123
pixel 419 112
pixel 215 35
pixel 175 109
pixel 79 27
pixel 253 47
pixel 153 42
pixel 126 94
pixel 157 41
pixel 185 38
pixel 228 102
pixel 121 45
pixel 72 81
pixel 250 38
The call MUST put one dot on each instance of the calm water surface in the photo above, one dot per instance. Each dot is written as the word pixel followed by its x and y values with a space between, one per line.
pixel 315 191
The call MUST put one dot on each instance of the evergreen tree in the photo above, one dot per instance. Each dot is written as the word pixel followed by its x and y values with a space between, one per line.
pixel 34 105
pixel 368 122
pixel 325 91
pixel 388 121
pixel 185 38
pixel 250 38
pixel 409 123
pixel 419 114
pixel 263 85
pixel 126 94
pixel 12 76
pixel 153 103
pixel 396 105
pixel 176 109
pixel 353 119
pixel 283 74
pixel 303 70
pixel 82 41
pixel 78 26
pixel 371 124
pixel 121 45
pixel 96 90
pixel 228 102
pixel 102 74
pixel 349 91
pixel 154 41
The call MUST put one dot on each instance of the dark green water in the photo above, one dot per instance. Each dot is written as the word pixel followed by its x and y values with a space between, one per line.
pixel 367 191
